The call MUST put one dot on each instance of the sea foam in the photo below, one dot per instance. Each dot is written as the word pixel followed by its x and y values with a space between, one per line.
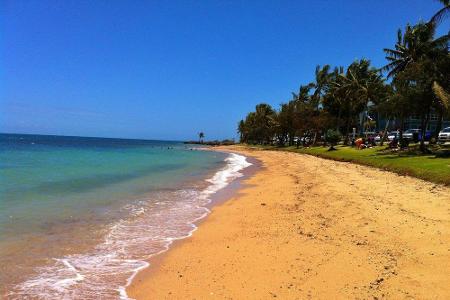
pixel 152 226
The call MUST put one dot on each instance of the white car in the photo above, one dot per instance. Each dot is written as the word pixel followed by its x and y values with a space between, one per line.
pixel 409 134
pixel 444 136
pixel 392 135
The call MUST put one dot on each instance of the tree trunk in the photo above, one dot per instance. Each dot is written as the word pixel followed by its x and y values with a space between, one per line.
pixel 439 124
pixel 402 124
pixel 423 128
pixel 383 138
pixel 314 139
pixel 347 129
pixel 338 121
pixel 298 139
pixel 291 139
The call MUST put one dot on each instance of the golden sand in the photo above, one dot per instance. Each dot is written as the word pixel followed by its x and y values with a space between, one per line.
pixel 306 227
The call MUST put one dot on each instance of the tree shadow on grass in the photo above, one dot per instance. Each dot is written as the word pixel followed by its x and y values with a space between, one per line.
pixel 405 153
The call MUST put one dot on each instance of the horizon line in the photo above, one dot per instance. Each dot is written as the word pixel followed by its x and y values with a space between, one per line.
pixel 92 137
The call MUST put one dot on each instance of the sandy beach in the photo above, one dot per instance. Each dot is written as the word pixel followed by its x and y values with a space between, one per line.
pixel 304 227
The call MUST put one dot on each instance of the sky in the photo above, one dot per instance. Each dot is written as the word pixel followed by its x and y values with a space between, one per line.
pixel 170 69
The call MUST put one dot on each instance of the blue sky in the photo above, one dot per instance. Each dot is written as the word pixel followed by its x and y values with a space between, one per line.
pixel 169 69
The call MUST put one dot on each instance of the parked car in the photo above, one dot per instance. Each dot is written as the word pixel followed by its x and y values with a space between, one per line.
pixel 303 139
pixel 444 136
pixel 379 136
pixel 392 135
pixel 412 134
pixel 306 139
pixel 370 133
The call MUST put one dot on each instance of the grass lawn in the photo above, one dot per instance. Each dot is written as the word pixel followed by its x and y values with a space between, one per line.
pixel 427 167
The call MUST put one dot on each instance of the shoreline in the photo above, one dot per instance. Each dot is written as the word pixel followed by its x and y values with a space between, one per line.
pixel 200 192
pixel 216 199
pixel 308 227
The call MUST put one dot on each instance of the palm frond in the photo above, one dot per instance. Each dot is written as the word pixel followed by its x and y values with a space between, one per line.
pixel 441 15
pixel 441 94
pixel 441 42
pixel 393 53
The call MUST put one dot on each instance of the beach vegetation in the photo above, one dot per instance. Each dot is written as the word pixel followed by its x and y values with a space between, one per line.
pixel 414 83
pixel 332 137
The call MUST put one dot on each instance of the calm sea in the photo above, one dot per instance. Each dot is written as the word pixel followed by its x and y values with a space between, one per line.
pixel 80 216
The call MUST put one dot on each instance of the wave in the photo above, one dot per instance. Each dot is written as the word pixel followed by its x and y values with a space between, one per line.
pixel 150 228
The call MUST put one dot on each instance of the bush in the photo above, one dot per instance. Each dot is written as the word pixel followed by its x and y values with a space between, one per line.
pixel 332 137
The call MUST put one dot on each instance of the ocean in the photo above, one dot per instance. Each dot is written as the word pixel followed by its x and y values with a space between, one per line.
pixel 79 217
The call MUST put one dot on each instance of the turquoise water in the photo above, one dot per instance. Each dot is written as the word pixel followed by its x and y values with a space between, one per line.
pixel 68 202
pixel 51 178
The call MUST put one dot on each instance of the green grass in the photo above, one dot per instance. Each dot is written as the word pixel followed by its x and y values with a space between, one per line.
pixel 427 167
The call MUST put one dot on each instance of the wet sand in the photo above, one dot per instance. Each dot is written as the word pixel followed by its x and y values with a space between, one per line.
pixel 305 227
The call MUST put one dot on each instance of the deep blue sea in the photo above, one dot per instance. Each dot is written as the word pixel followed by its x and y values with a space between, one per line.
pixel 80 216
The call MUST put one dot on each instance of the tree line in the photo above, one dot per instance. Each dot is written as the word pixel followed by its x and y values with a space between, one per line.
pixel 415 81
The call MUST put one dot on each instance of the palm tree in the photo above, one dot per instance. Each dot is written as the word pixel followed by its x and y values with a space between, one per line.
pixel 441 14
pixel 259 126
pixel 417 56
pixel 415 44
pixel 322 76
pixel 441 90
pixel 201 136
pixel 303 93
pixel 242 131
pixel 265 121
pixel 247 128
pixel 302 110
pixel 333 98
pixel 285 123
pixel 359 85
